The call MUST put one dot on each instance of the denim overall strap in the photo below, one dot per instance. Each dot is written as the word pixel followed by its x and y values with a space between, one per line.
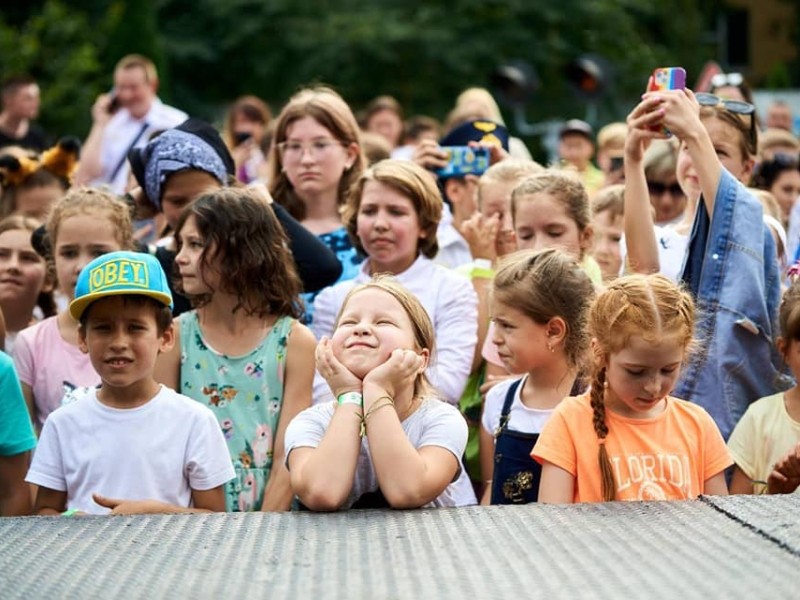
pixel 516 475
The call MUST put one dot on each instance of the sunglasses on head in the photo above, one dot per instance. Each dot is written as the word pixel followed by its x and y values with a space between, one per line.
pixel 725 79
pixel 735 106
pixel 656 188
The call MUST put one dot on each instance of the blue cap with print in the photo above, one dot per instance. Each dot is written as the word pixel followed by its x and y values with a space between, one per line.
pixel 118 273
pixel 477 130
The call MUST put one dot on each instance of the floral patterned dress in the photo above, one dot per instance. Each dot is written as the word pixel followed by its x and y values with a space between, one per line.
pixel 246 395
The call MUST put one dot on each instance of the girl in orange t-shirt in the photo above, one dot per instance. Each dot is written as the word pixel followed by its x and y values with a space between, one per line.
pixel 627 438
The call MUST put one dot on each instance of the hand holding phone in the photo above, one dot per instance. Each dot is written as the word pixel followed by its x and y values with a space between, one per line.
pixel 667 78
pixel 113 105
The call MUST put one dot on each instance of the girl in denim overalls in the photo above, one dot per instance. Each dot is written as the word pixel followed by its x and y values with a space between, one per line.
pixel 539 306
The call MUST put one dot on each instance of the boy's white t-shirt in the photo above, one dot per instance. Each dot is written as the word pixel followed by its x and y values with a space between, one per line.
pixel 160 451
pixel 520 417
pixel 434 423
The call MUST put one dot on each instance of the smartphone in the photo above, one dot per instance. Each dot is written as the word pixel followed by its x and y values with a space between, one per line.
pixel 114 105
pixel 464 160
pixel 668 78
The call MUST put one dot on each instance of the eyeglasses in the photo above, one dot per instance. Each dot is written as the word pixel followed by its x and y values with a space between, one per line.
pixel 656 188
pixel 293 151
pixel 735 106
pixel 724 79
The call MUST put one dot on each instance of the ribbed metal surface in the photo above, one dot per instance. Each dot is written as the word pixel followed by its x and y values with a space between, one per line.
pixel 619 550
pixel 775 517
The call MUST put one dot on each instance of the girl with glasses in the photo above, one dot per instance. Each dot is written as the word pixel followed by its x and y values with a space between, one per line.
pixel 315 158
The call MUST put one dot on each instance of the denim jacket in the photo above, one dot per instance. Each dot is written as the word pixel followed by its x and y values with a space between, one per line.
pixel 733 274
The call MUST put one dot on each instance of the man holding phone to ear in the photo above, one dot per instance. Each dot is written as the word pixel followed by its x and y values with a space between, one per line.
pixel 122 119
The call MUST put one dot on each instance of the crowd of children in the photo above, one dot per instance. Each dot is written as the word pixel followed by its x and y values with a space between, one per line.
pixel 310 330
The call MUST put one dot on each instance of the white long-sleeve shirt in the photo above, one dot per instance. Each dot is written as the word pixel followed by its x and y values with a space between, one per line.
pixel 452 305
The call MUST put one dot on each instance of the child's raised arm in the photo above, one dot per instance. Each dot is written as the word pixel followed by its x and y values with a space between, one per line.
pixel 299 377
pixel 682 117
pixel 640 238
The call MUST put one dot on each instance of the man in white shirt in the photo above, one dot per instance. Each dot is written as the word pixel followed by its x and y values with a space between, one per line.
pixel 124 119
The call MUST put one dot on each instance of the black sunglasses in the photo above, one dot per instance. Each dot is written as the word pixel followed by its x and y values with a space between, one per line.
pixel 657 188
pixel 735 106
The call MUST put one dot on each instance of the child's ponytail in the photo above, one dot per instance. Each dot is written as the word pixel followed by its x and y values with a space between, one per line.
pixel 597 397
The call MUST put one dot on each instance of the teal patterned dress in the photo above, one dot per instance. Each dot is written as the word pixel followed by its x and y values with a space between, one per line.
pixel 246 395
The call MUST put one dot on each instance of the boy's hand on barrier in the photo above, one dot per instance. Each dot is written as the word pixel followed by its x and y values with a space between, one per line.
pixel 128 507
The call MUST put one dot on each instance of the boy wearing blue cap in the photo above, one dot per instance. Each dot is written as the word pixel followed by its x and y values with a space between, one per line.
pixel 131 445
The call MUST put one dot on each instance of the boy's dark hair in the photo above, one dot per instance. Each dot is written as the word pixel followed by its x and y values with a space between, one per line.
pixel 238 226
pixel 161 312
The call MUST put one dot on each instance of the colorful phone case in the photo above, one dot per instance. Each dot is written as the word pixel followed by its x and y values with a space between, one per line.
pixel 668 78
pixel 463 160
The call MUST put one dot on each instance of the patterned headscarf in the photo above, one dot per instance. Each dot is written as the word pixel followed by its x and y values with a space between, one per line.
pixel 193 144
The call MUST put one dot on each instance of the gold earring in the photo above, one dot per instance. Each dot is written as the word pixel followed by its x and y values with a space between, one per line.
pixel 550 347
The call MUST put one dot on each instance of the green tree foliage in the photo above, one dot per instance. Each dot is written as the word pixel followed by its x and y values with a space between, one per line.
pixel 424 52
pixel 56 46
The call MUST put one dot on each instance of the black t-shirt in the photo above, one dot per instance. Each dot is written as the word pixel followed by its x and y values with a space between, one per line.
pixel 35 139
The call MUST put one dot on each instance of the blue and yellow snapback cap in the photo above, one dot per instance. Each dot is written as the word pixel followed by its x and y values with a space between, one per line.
pixel 118 273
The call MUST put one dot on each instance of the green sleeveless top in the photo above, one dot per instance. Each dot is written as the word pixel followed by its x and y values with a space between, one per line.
pixel 246 395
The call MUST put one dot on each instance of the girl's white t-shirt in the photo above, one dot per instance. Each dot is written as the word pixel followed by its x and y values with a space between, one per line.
pixel 434 423
pixel 520 418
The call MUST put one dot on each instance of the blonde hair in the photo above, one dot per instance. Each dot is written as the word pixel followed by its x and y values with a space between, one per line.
pixel 565 187
pixel 133 61
pixel 612 136
pixel 768 202
pixel 508 171
pixel 473 103
pixel 661 160
pixel 650 306
pixel 546 284
pixel 777 138
pixel 421 325
pixel 413 182
pixel 330 110
pixel 91 201
pixel 610 198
